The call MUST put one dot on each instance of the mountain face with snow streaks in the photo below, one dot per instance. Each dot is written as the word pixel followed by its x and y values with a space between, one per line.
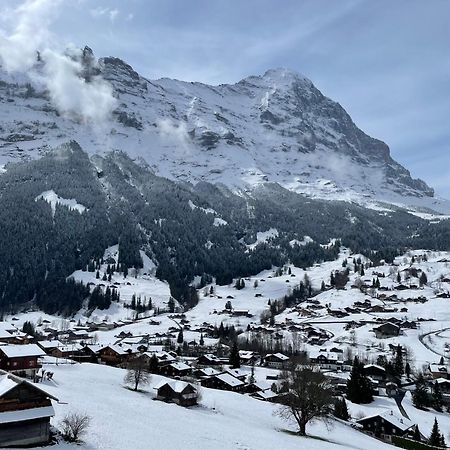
pixel 277 127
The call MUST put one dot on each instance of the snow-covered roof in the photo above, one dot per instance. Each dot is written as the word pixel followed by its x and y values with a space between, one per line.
pixel 209 371
pixel 438 368
pixel 6 384
pixel 266 394
pixel 175 385
pixel 180 365
pixel 229 379
pixel 278 355
pixel 9 381
pixel 50 344
pixel 376 366
pixel 236 372
pixel 21 351
pixel 398 421
pixel 26 414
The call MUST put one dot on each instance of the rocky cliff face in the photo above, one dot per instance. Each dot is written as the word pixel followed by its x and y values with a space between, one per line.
pixel 277 127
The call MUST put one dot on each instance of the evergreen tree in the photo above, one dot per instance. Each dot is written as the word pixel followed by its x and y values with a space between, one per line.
pixel 437 400
pixel 340 408
pixel 202 341
pixel 154 366
pixel 171 305
pixel 423 279
pixel 408 370
pixel 398 363
pixel 180 337
pixel 435 439
pixel 399 278
pixel 234 360
pixel 359 389
pixel 416 435
pixel 420 394
pixel 322 286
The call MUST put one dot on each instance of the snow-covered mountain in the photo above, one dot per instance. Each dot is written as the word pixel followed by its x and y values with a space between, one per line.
pixel 277 127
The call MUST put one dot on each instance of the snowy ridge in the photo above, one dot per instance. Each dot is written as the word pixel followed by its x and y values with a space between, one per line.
pixel 277 127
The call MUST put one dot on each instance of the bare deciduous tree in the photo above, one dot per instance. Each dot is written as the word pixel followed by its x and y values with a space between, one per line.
pixel 137 373
pixel 308 396
pixel 74 426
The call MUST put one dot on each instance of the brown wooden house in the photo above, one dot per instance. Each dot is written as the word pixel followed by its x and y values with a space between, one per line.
pixel 224 381
pixel 22 360
pixel 114 355
pixel 25 412
pixel 179 392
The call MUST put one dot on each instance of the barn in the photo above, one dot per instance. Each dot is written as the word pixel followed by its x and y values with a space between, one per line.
pixel 25 412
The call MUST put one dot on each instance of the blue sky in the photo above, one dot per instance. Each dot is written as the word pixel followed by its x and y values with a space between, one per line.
pixel 386 61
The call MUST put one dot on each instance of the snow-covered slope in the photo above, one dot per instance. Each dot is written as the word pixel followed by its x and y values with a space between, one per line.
pixel 122 419
pixel 277 127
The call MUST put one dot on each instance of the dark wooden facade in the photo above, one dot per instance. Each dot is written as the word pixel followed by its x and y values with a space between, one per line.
pixel 186 396
pixel 25 412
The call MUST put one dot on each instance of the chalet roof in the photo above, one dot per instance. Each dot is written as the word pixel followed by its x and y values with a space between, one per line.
pixel 6 384
pixel 279 356
pixel 236 372
pixel 331 356
pixel 209 371
pixel 266 394
pixel 176 385
pixel 9 381
pixel 20 351
pixel 180 365
pixel 438 368
pixel 375 366
pixel 398 421
pixel 229 379
pixel 26 414
pixel 50 344
pixel 387 326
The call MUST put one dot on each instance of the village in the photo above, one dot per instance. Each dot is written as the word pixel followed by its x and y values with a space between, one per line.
pixel 380 315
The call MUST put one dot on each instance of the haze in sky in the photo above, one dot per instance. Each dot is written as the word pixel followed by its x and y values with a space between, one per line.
pixel 387 62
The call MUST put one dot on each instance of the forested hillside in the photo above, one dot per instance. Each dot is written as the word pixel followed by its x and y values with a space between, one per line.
pixel 202 230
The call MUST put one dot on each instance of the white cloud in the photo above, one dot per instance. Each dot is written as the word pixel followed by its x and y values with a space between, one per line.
pixel 104 12
pixel 29 24
pixel 60 72
pixel 175 132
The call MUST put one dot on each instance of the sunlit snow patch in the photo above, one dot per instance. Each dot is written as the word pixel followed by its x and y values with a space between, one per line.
pixel 54 199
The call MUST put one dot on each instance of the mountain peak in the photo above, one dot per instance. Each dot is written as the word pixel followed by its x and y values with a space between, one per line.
pixel 282 73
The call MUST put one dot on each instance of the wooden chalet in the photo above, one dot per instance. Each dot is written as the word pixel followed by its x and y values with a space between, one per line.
pixel 387 330
pixel 438 370
pixel 276 360
pixel 208 360
pixel 248 357
pixel 375 372
pixel 267 395
pixel 9 334
pixel 224 381
pixel 386 424
pixel 205 372
pixel 179 392
pixel 49 346
pixel 23 360
pixel 176 369
pixel 25 412
pixel 114 355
